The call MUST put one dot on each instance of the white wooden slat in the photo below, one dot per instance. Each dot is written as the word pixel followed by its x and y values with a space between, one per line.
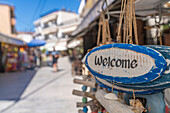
pixel 112 106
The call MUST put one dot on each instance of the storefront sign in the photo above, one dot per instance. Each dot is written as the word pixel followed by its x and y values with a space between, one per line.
pixel 125 63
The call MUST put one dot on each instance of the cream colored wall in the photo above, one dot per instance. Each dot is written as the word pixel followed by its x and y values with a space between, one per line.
pixel 64 16
pixel 5 20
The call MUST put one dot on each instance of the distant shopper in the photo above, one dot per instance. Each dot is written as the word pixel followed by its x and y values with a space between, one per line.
pixel 55 56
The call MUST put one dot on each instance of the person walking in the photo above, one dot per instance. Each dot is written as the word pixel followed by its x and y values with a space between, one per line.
pixel 55 56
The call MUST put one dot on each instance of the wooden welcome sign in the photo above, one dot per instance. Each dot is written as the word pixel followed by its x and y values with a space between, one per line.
pixel 105 84
pixel 162 82
pixel 125 63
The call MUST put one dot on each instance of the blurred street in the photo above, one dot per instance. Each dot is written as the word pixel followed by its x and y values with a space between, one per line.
pixel 41 91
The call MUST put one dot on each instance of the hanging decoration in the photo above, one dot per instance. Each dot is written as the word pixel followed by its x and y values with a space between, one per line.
pixel 128 19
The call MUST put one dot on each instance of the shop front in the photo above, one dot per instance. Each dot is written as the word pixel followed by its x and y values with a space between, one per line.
pixel 10 57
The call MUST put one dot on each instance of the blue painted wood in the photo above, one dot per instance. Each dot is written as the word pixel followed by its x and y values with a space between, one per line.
pixel 126 90
pixel 163 81
pixel 154 73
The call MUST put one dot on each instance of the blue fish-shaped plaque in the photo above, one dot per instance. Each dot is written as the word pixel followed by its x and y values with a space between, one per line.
pixel 105 84
pixel 125 63
pixel 161 82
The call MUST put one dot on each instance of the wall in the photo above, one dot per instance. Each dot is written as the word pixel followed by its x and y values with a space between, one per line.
pixel 64 16
pixel 25 37
pixel 90 39
pixel 141 32
pixel 166 39
pixel 5 20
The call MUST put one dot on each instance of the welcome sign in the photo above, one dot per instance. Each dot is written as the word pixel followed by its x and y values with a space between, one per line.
pixel 103 83
pixel 163 81
pixel 125 63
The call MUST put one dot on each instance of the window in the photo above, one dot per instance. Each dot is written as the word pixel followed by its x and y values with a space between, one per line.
pixel 13 30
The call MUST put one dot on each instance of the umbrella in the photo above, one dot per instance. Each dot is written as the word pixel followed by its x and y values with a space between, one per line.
pixel 36 42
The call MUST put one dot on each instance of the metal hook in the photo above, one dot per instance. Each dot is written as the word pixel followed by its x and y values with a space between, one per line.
pixel 107 10
pixel 160 14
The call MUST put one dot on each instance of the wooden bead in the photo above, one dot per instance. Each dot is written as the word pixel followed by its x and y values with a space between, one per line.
pixel 84 100
pixel 85 109
pixel 84 88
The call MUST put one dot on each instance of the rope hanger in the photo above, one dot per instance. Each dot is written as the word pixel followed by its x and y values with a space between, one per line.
pixel 127 18
pixel 104 27
pixel 127 15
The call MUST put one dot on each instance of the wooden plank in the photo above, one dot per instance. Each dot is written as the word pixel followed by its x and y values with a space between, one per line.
pixel 80 104
pixel 84 94
pixel 110 105
pixel 89 94
pixel 86 83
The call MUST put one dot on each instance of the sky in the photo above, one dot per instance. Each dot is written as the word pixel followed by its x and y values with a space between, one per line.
pixel 27 11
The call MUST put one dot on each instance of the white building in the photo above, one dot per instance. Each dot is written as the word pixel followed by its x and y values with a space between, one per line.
pixel 25 36
pixel 55 27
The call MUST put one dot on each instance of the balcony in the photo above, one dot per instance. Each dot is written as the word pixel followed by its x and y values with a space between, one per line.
pixel 13 22
pixel 51 29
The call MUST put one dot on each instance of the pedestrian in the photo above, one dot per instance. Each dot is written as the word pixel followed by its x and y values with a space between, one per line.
pixel 55 56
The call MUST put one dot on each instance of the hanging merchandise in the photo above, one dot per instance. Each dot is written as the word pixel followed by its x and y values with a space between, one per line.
pixel 11 58
pixel 126 63
pixel 123 64
pixel 128 68
pixel 157 26
pixel 161 83
pixel 135 74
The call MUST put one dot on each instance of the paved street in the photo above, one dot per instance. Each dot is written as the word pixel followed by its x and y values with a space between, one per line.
pixel 40 91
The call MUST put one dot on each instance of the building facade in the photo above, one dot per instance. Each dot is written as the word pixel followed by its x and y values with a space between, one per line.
pixel 55 27
pixel 9 44
pixel 25 36
pixel 7 20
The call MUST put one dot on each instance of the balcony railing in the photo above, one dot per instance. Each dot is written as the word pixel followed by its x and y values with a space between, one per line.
pixel 50 29
pixel 68 22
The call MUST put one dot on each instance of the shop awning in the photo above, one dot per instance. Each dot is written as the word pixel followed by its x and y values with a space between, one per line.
pixel 36 42
pixel 143 7
pixel 10 40
pixel 91 15
pixel 60 45
pixel 74 43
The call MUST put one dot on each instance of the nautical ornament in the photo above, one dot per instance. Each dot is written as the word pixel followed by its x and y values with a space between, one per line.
pixel 111 96
pixel 105 84
pixel 125 63
pixel 163 81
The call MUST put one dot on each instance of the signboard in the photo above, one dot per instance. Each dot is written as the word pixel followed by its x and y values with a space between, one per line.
pixel 161 82
pixel 125 63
